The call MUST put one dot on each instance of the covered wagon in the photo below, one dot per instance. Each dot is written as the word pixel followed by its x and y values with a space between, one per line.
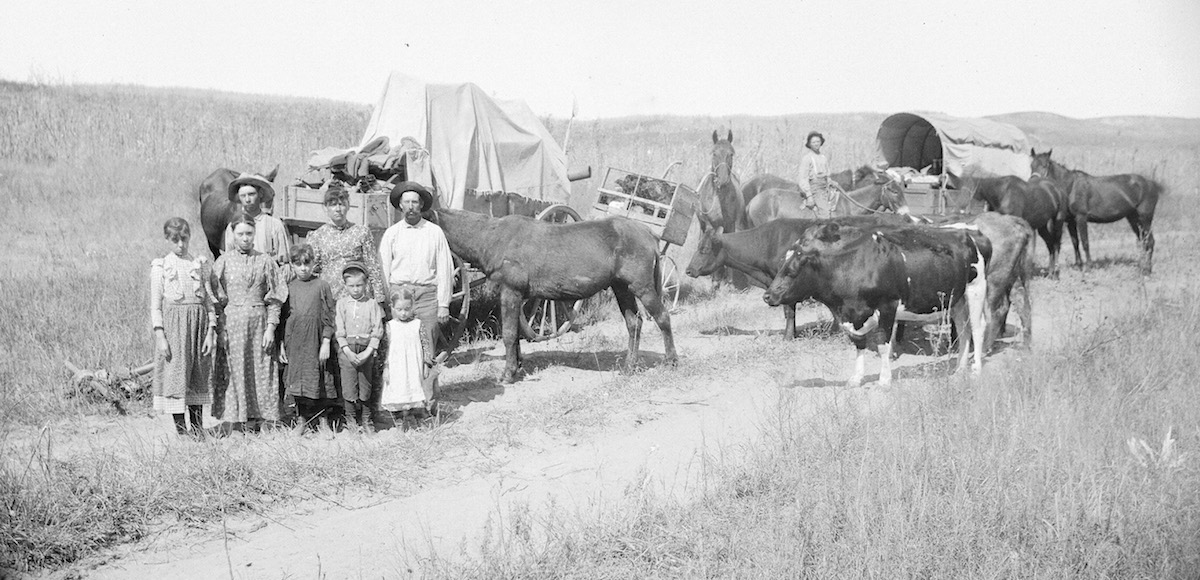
pixel 475 152
pixel 935 155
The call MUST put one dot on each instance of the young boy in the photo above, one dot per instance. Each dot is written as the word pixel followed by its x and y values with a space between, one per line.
pixel 358 330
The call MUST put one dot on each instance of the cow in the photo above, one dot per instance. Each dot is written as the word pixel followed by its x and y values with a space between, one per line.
pixel 758 252
pixel 870 276
pixel 1011 264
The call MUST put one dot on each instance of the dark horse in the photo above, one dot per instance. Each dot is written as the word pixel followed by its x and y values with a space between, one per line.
pixel 529 258
pixel 1038 201
pixel 216 209
pixel 787 201
pixel 720 194
pixel 1104 199
pixel 853 179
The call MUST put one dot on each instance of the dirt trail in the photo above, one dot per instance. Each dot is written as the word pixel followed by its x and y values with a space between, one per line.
pixel 666 454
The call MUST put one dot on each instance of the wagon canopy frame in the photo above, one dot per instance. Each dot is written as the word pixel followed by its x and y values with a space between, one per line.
pixel 965 147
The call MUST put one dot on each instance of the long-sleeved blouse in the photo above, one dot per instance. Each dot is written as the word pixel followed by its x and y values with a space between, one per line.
pixel 337 246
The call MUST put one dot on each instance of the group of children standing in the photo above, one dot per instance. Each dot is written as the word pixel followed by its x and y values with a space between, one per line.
pixel 215 333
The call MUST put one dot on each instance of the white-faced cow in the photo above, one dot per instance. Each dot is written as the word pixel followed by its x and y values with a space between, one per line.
pixel 870 276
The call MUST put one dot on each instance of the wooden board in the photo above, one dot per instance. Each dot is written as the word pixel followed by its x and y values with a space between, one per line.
pixel 683 207
pixel 305 206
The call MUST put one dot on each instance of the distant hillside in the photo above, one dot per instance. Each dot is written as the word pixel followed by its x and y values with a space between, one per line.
pixel 1049 129
pixel 196 130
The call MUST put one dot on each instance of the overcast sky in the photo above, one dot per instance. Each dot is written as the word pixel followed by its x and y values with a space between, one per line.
pixel 621 57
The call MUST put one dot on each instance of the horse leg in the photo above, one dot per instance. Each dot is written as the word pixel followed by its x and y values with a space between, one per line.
pixel 1073 231
pixel 1081 224
pixel 652 302
pixel 1047 234
pixel 789 321
pixel 510 312
pixel 1054 245
pixel 1141 229
pixel 627 302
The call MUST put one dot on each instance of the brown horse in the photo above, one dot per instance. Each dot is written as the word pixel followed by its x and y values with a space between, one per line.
pixel 1038 201
pixel 1104 199
pixel 530 258
pixel 848 179
pixel 720 193
pixel 216 209
pixel 781 202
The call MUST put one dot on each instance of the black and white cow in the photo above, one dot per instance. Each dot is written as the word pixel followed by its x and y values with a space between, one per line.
pixel 871 276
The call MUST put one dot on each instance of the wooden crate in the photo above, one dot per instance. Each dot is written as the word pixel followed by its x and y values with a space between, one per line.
pixel 924 199
pixel 669 221
pixel 304 208
pixel 683 207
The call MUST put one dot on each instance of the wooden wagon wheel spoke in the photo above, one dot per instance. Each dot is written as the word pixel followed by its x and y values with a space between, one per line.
pixel 545 318
pixel 670 284
pixel 460 303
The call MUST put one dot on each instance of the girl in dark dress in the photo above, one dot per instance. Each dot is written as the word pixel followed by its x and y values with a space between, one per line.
pixel 307 332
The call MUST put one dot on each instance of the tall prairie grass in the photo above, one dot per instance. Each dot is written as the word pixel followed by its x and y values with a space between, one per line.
pixel 88 175
pixel 1079 461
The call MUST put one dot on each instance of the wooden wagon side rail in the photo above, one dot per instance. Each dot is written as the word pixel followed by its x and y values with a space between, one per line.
pixel 629 201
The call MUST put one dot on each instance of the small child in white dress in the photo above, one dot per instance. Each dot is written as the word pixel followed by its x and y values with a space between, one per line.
pixel 407 376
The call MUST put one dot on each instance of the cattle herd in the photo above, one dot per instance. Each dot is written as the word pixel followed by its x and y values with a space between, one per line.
pixel 880 267
pixel 872 263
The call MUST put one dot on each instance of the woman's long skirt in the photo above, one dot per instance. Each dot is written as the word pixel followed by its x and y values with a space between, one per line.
pixel 252 376
pixel 185 378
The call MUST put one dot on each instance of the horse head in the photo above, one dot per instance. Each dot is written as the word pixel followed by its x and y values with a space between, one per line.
pixel 722 158
pixel 1041 164
pixel 891 197
pixel 707 258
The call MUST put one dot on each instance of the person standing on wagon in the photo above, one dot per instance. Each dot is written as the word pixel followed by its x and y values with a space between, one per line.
pixel 414 255
pixel 270 235
pixel 814 177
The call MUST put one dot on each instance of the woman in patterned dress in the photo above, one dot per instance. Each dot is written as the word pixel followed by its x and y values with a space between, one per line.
pixel 252 288
pixel 340 242
pixel 184 318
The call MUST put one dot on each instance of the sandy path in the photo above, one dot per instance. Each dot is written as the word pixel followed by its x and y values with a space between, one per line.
pixel 666 454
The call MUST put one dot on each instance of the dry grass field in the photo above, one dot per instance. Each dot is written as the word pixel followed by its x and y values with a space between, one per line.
pixel 1078 458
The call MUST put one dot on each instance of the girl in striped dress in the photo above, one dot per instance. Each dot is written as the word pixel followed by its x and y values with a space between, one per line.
pixel 182 313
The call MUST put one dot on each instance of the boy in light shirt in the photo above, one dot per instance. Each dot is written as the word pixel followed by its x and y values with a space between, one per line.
pixel 358 330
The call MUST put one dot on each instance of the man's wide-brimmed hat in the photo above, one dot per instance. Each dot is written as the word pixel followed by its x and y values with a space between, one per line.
pixel 404 186
pixel 265 190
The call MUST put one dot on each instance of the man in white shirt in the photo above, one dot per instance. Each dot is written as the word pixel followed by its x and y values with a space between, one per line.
pixel 413 252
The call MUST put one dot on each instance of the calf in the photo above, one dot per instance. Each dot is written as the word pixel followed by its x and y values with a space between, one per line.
pixel 869 276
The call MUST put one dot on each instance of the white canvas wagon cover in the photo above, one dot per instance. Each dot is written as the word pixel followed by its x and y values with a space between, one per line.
pixel 966 147
pixel 475 142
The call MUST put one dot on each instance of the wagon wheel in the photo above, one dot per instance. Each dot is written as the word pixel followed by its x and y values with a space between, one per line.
pixel 559 214
pixel 551 318
pixel 460 303
pixel 669 283
pixel 668 286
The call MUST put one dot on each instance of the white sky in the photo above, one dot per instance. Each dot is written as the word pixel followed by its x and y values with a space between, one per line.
pixel 620 57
